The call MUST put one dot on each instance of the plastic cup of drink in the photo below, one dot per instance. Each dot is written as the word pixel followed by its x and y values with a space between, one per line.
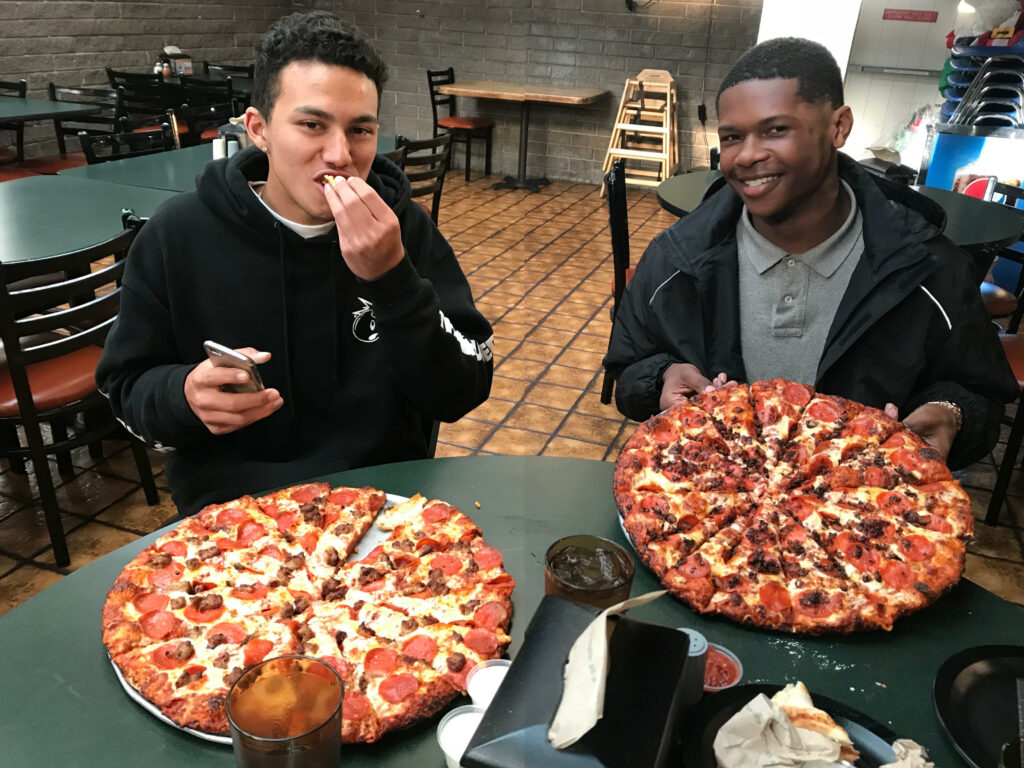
pixel 286 712
pixel 588 569
pixel 484 679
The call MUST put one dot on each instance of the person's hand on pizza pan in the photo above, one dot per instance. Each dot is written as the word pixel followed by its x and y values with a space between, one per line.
pixel 681 380
pixel 935 424
pixel 368 231
pixel 224 412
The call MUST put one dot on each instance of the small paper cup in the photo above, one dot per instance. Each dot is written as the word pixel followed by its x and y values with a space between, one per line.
pixel 731 659
pixel 456 730
pixel 484 679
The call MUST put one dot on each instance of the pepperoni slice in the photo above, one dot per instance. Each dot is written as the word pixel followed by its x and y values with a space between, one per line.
pixel 437 513
pixel 203 617
pixel 459 678
pixel 823 411
pixel 373 554
pixel 897 575
pixel 796 394
pixel 165 576
pixel 447 563
pixel 150 601
pixel 879 477
pixel 855 552
pixel 907 459
pixel 225 544
pixel 686 523
pixel 916 547
pixel 487 558
pixel 343 496
pixel 270 509
pixel 665 433
pixel 166 656
pixel 692 418
pixel 373 586
pixel 420 647
pixel 774 596
pixel 862 426
pixel 695 567
pixel 286 520
pixel 767 415
pixel 250 532
pixel 815 603
pixel 274 551
pixel 355 706
pixel 398 687
pixel 233 633
pixel 794 534
pixel 174 548
pixel 308 541
pixel 939 524
pixel 157 624
pixel 801 507
pixel 482 641
pixel 305 494
pixel 256 651
pixel 341 666
pixel 490 615
pixel 229 517
pixel 250 592
pixel 380 661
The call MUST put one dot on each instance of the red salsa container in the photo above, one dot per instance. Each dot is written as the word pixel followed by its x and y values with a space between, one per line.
pixel 722 669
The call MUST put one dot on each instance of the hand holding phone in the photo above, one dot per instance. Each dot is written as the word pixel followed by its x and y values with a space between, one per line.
pixel 225 357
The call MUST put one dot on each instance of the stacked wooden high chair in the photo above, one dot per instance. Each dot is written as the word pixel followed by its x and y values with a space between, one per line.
pixel 646 132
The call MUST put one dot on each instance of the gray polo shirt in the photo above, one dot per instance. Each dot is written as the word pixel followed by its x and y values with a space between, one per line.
pixel 788 301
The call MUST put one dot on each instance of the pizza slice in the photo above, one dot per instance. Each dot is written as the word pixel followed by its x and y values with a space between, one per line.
pixel 298 512
pixel 795 701
pixel 347 514
pixel 649 516
pixel 732 411
pixel 778 404
pixel 942 506
pixel 693 578
pixel 916 462
pixel 682 422
pixel 824 418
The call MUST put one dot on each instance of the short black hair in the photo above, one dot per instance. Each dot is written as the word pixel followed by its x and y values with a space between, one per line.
pixel 791 58
pixel 311 36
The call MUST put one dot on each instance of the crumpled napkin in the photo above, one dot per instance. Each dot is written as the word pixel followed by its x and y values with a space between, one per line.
pixel 909 754
pixel 761 736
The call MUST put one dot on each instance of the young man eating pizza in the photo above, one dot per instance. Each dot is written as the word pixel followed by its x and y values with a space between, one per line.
pixel 306 253
pixel 805 267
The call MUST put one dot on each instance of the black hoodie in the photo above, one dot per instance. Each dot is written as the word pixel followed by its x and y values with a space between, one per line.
pixel 910 328
pixel 364 367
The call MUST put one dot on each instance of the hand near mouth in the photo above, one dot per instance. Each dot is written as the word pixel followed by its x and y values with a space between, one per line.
pixel 368 230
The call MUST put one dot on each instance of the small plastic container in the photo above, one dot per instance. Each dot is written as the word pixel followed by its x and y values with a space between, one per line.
pixel 722 667
pixel 484 679
pixel 455 731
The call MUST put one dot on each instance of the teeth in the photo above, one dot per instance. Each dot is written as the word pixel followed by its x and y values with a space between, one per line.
pixel 760 182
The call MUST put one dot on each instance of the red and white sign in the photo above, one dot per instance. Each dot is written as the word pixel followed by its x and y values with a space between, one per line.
pixel 906 14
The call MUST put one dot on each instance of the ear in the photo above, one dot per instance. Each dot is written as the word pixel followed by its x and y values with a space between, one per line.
pixel 840 125
pixel 256 127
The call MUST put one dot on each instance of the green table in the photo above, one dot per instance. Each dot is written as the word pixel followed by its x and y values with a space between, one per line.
pixel 175 170
pixel 62 705
pixel 20 110
pixel 48 215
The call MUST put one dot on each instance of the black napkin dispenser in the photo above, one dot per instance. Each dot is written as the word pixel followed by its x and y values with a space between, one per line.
pixel 643 697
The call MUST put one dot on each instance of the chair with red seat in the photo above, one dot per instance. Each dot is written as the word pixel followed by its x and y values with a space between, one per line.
pixel 116 146
pixel 618 228
pixel 462 128
pixel 52 336
pixel 208 105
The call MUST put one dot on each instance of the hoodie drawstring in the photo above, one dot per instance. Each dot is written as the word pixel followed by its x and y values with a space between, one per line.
pixel 283 263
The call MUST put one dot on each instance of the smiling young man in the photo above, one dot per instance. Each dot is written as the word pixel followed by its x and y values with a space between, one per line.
pixel 804 266
pixel 306 252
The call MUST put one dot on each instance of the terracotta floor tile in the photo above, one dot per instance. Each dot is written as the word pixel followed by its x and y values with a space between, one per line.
pixel 90 492
pixel 7 564
pixel 567 377
pixel 536 417
pixel 574 308
pixel 492 410
pixel 521 369
pixel 553 396
pixel 516 442
pixel 544 353
pixel 91 541
pixel 507 388
pixel 577 449
pixel 526 316
pixel 994 542
pixel 591 428
pixel 999 576
pixel 513 331
pixel 578 358
pixel 550 291
pixel 444 451
pixel 551 336
pixel 22 584
pixel 133 512
pixel 121 464
pixel 591 405
pixel 539 303
pixel 564 322
pixel 24 533
pixel 465 432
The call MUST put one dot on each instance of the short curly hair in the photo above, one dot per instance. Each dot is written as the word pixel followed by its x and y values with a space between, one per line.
pixel 311 36
pixel 791 58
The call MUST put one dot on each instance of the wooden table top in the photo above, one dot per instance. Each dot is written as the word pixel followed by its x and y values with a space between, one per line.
pixel 549 94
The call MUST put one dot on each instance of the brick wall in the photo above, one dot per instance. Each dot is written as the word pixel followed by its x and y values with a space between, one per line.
pixel 594 43
pixel 71 42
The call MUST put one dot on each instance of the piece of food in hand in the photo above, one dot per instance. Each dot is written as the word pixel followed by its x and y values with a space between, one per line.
pixel 795 701
pixel 329 179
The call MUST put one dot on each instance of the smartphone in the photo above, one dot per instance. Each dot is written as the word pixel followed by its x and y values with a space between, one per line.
pixel 225 357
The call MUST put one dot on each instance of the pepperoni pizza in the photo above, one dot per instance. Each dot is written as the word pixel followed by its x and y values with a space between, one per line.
pixel 777 506
pixel 256 578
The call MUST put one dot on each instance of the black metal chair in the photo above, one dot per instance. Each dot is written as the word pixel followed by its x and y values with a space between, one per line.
pixel 211 69
pixel 618 228
pixel 102 122
pixel 115 146
pixel 145 100
pixel 462 128
pixel 426 163
pixel 17 90
pixel 396 156
pixel 53 379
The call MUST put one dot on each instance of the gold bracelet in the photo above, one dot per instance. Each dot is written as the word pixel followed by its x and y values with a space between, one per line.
pixel 951 406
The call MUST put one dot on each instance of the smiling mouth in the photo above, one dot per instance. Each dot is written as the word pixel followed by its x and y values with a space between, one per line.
pixel 760 181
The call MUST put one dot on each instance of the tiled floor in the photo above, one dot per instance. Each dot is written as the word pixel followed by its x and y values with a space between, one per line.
pixel 540 268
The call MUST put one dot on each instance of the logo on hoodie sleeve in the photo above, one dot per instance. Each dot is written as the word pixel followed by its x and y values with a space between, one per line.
pixel 364 324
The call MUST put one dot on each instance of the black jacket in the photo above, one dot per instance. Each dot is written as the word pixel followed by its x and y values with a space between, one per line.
pixel 910 329
pixel 364 367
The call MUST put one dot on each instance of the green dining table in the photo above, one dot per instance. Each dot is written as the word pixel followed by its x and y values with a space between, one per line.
pixel 48 215
pixel 21 110
pixel 175 170
pixel 63 706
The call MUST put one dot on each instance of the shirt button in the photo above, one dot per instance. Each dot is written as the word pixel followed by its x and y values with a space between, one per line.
pixel 788 299
pixel 790 263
